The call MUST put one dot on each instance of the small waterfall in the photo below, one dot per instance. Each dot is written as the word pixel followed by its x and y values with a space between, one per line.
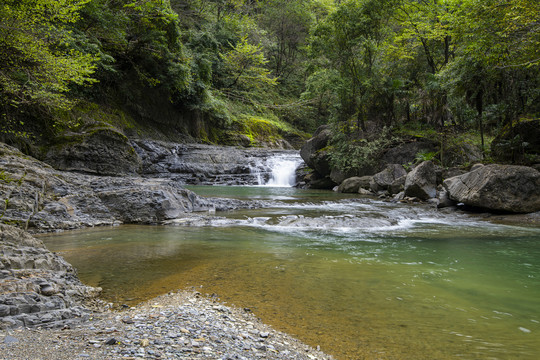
pixel 283 170
pixel 257 168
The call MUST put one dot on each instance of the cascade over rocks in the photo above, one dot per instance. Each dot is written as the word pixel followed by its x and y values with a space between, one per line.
pixel 206 164
pixel 41 198
pixel 507 188
pixel 421 182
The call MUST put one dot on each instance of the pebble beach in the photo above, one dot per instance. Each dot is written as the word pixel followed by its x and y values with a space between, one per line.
pixel 178 325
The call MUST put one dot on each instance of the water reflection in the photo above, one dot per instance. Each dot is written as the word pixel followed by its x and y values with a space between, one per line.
pixel 362 278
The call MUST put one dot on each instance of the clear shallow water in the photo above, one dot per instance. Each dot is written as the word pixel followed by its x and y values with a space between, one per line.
pixel 362 278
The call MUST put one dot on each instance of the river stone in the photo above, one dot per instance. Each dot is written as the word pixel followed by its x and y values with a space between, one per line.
pixel 384 179
pixel 352 184
pixel 444 199
pixel 397 185
pixel 355 184
pixel 338 176
pixel 509 188
pixel 421 182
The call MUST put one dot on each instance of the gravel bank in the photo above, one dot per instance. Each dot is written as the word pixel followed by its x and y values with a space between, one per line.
pixel 181 325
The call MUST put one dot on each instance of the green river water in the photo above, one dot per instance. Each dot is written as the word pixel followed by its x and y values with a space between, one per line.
pixel 362 278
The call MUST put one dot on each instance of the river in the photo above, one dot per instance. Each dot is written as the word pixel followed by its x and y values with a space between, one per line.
pixel 362 278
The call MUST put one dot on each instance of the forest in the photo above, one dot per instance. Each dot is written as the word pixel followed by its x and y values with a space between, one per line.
pixel 452 69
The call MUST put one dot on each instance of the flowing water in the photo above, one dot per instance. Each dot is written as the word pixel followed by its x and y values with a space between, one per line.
pixel 362 278
pixel 275 171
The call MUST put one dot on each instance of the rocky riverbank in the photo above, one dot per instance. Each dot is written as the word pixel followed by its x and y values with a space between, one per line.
pixel 37 287
pixel 181 325
pixel 46 312
pixel 398 176
pixel 37 197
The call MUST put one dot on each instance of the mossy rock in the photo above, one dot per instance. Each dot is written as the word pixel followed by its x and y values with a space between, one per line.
pixel 100 150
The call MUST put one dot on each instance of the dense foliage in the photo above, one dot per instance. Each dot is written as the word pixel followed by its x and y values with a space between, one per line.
pixel 360 64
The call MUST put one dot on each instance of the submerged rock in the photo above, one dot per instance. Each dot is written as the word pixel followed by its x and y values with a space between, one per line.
pixel 508 188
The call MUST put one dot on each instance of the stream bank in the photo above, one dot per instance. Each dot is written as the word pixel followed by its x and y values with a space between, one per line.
pixel 40 290
pixel 177 325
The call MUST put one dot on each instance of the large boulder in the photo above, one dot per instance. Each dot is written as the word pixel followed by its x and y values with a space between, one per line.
pixel 338 176
pixel 421 182
pixel 383 180
pixel 102 151
pixel 509 188
pixel 313 154
pixel 354 184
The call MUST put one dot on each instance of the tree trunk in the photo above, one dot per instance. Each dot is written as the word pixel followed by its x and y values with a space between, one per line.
pixel 479 109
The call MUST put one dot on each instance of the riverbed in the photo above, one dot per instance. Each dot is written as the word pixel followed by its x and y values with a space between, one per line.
pixel 360 277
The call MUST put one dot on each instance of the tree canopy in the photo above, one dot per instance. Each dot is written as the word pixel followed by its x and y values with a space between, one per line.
pixel 468 63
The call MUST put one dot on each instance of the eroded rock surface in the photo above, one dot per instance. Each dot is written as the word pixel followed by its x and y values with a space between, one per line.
pixel 100 151
pixel 37 197
pixel 507 188
pixel 421 182
pixel 37 287
pixel 207 164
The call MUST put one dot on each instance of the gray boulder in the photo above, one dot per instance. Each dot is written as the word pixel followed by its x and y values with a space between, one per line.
pixel 383 180
pixel 444 199
pixel 421 182
pixel 354 184
pixel 397 185
pixel 507 188
pixel 313 154
pixel 338 176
